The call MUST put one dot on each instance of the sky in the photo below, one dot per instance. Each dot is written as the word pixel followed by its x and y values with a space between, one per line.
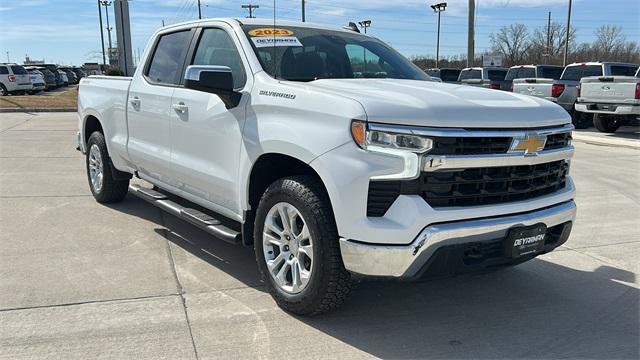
pixel 68 32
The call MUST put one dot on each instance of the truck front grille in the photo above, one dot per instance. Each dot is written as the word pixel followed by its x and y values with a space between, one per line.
pixel 472 187
pixel 488 145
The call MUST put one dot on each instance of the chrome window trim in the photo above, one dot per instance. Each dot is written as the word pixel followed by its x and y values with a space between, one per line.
pixel 453 132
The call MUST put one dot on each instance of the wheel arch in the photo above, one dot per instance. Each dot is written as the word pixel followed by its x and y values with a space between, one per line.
pixel 266 169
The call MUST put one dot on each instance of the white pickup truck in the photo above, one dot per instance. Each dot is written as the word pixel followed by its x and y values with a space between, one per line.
pixel 614 101
pixel 285 139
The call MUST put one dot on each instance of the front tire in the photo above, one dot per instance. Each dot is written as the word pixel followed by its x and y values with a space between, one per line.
pixel 606 123
pixel 104 187
pixel 297 249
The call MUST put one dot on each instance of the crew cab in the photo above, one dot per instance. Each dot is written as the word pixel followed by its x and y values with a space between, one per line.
pixel 523 76
pixel 282 137
pixel 614 101
pixel 487 77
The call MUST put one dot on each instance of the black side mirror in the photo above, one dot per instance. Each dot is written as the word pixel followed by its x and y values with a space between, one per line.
pixel 213 79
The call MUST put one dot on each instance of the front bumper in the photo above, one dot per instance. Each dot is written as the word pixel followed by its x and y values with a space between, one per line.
pixel 408 261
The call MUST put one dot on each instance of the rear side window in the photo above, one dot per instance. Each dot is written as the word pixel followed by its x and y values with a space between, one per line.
pixel 550 72
pixel 576 73
pixel 521 73
pixel 217 48
pixel 620 70
pixel 4 70
pixel 470 74
pixel 168 58
pixel 18 70
pixel 496 75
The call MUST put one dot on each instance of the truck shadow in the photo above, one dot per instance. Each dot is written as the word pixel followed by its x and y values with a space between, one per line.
pixel 539 309
pixel 625 132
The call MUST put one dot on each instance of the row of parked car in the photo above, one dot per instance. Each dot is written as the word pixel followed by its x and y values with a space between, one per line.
pixel 19 80
pixel 612 99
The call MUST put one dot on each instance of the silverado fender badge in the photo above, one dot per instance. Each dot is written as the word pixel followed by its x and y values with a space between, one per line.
pixel 277 94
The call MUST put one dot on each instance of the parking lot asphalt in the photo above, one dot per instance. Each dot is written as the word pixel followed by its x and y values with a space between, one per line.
pixel 82 280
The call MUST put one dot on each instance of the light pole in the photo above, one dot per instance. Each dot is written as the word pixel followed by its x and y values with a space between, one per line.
pixel 303 12
pixel 104 59
pixel 438 8
pixel 109 28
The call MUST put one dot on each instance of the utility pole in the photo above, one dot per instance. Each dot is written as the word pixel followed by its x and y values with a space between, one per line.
pixel 568 31
pixel 438 9
pixel 303 17
pixel 199 10
pixel 109 28
pixel 104 58
pixel 250 7
pixel 8 60
pixel 471 34
pixel 548 54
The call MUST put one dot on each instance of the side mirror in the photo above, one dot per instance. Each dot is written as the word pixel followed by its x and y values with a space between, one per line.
pixel 213 79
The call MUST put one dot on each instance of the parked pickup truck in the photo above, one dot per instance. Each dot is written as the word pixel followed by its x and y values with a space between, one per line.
pixel 521 75
pixel 564 91
pixel 614 101
pixel 263 136
pixel 490 78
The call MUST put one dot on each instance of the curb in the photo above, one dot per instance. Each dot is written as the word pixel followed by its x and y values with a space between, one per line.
pixel 597 140
pixel 36 110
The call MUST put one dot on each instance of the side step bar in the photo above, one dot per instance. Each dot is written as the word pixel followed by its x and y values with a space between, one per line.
pixel 195 217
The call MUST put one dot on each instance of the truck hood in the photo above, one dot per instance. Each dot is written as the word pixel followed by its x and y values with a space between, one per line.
pixel 426 103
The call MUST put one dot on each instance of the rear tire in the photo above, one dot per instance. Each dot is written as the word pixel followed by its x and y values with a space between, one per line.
pixel 326 282
pixel 100 172
pixel 581 120
pixel 606 123
pixel 3 90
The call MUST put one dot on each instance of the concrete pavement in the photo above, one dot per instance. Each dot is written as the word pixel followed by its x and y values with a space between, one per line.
pixel 81 280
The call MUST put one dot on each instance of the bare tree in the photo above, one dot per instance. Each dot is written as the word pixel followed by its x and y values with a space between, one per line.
pixel 610 41
pixel 540 53
pixel 512 42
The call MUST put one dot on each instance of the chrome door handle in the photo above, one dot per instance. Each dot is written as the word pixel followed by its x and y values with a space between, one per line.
pixel 180 107
pixel 135 102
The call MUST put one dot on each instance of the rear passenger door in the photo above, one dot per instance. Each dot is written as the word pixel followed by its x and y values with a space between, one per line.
pixel 206 135
pixel 149 107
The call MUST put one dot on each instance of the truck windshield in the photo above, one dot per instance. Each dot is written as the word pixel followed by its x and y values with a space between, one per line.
pixel 470 74
pixel 575 73
pixel 307 54
pixel 496 75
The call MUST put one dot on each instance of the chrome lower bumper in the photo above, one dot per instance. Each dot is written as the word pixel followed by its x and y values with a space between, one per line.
pixel 406 261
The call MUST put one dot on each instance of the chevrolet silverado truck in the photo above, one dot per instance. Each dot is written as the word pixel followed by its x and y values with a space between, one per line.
pixel 285 139
pixel 614 101
pixel 564 92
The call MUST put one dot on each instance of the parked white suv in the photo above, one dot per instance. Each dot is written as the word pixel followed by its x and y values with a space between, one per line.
pixel 285 139
pixel 14 79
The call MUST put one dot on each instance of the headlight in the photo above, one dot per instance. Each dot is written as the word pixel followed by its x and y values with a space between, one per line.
pixel 389 139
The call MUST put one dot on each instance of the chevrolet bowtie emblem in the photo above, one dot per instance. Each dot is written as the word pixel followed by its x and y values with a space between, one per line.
pixel 528 144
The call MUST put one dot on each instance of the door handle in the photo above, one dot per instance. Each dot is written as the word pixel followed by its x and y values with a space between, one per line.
pixel 180 107
pixel 135 102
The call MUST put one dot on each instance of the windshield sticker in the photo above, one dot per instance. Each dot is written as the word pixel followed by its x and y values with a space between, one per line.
pixel 270 32
pixel 276 41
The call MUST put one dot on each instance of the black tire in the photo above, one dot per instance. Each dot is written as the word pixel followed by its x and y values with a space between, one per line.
pixel 606 123
pixel 3 90
pixel 112 190
pixel 581 120
pixel 330 283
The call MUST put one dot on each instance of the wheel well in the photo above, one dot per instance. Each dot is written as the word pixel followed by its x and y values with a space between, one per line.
pixel 267 169
pixel 91 125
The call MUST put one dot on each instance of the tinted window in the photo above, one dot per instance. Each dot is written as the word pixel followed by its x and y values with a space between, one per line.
pixel 18 70
pixel 620 70
pixel 168 58
pixel 307 54
pixel 521 73
pixel 449 75
pixel 550 72
pixel 217 48
pixel 496 75
pixel 576 73
pixel 470 74
pixel 4 70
